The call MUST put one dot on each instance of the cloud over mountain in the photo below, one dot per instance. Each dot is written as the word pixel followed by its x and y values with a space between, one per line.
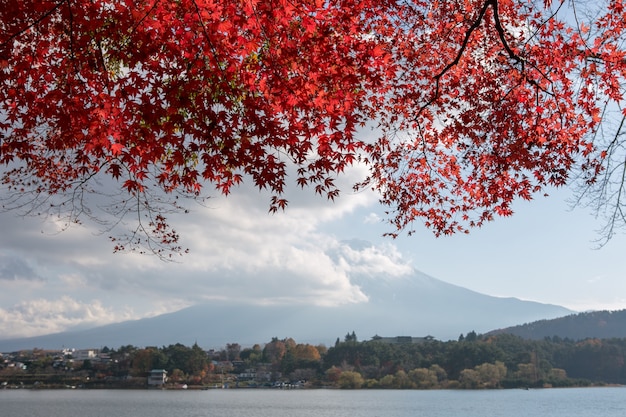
pixel 412 304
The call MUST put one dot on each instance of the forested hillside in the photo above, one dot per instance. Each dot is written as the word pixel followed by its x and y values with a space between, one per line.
pixel 472 362
pixel 597 324
pixel 485 361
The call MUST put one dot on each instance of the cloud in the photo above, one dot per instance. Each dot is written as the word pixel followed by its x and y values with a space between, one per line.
pixel 318 272
pixel 372 218
pixel 239 253
pixel 73 280
pixel 15 269
pixel 41 316
pixel 374 260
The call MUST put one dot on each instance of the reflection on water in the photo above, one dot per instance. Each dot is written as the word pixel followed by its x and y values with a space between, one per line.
pixel 573 402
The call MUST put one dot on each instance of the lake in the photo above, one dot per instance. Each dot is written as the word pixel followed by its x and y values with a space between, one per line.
pixel 570 402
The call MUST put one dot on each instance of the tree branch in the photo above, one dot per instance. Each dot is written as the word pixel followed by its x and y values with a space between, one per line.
pixel 32 25
pixel 459 54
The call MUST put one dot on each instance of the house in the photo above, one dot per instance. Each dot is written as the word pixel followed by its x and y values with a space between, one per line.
pixel 255 374
pixel 84 354
pixel 157 377
pixel 104 358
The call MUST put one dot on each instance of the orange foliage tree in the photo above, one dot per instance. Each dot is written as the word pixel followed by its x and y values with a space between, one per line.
pixel 476 103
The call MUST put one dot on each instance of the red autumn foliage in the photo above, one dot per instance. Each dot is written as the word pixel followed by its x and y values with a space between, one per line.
pixel 478 102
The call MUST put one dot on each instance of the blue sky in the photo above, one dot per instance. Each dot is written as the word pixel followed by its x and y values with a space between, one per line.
pixel 545 252
pixel 57 281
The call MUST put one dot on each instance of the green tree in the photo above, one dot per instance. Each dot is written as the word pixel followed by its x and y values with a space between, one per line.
pixel 471 336
pixel 350 337
pixel 142 362
pixel 233 351
pixel 179 357
pixel 468 354
pixel 198 363
pixel 252 356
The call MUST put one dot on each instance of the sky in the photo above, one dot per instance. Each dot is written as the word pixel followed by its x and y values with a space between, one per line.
pixel 54 281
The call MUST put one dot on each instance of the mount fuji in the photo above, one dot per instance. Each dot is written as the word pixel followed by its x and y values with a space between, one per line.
pixel 414 305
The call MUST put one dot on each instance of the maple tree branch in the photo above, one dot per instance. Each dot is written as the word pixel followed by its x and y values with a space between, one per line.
pixel 511 53
pixel 468 34
pixel 208 39
pixel 32 25
pixel 71 30
pixel 134 29
pixel 505 44
pixel 578 27
pixel 502 35
pixel 459 54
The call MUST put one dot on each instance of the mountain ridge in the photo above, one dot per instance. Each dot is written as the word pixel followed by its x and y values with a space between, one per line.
pixel 418 305
pixel 604 324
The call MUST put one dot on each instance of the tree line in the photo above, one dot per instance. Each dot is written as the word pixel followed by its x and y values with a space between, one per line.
pixel 474 361
pixel 471 362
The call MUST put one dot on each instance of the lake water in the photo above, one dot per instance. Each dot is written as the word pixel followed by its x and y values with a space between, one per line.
pixel 571 402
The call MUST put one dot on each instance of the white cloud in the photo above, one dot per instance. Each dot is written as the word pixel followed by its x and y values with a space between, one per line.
pixel 40 316
pixel 594 304
pixel 372 218
pixel 365 259
pixel 73 280
pixel 240 253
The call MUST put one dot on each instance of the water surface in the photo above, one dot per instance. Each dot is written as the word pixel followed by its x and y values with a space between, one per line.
pixel 571 402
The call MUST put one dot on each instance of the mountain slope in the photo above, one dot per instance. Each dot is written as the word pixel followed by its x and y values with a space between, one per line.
pixel 417 305
pixel 596 324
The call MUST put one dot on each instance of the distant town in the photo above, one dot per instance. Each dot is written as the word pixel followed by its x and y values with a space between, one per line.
pixel 404 362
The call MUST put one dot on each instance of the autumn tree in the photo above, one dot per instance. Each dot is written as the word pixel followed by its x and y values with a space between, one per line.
pixel 423 378
pixel 333 374
pixel 350 380
pixel 491 375
pixel 306 352
pixel 274 351
pixel 469 378
pixel 476 103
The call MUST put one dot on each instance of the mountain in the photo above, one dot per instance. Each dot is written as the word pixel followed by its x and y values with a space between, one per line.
pixel 595 324
pixel 416 305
